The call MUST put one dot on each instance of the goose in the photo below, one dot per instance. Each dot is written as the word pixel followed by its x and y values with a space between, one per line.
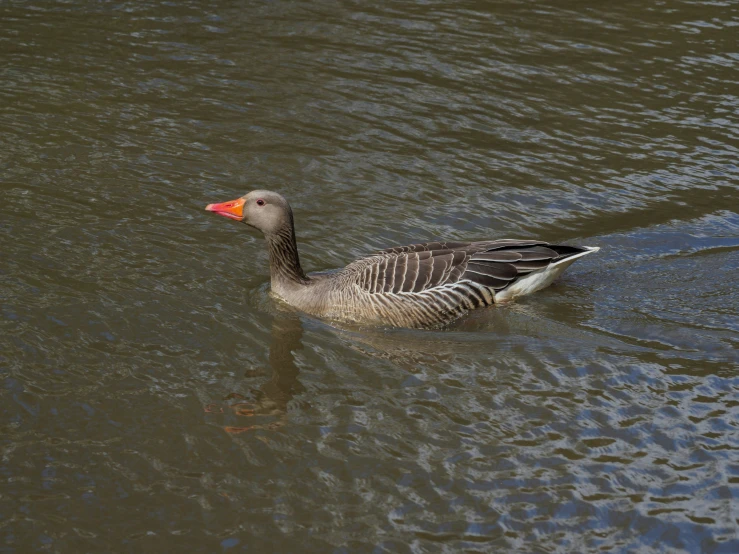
pixel 424 285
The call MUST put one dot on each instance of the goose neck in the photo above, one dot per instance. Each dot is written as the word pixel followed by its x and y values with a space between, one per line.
pixel 284 262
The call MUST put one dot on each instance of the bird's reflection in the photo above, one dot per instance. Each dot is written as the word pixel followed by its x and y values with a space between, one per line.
pixel 485 334
pixel 271 399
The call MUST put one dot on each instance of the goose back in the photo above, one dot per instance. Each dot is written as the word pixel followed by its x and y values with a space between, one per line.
pixel 430 284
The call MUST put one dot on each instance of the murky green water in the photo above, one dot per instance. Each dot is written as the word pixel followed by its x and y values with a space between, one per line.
pixel 154 398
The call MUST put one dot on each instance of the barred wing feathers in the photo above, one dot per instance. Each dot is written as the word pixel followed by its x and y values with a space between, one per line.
pixel 427 266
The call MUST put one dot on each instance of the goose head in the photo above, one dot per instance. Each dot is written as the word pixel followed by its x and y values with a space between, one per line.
pixel 262 209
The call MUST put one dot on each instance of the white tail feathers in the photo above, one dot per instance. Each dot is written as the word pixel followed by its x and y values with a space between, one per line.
pixel 537 280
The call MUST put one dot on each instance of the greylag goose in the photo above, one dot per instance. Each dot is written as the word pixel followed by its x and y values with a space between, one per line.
pixel 420 285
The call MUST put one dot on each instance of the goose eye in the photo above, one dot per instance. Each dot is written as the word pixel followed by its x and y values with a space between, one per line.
pixel 260 202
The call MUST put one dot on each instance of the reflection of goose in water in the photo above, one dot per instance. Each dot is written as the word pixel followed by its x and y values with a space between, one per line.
pixel 420 285
pixel 272 398
pixel 516 327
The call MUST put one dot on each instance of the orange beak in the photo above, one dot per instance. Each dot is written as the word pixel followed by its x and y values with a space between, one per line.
pixel 232 210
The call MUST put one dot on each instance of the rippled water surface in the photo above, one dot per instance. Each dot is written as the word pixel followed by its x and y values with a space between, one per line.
pixel 153 396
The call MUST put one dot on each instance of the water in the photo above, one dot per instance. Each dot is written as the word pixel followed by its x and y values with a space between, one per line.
pixel 156 399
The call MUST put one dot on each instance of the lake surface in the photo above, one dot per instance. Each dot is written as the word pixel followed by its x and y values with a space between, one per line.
pixel 155 398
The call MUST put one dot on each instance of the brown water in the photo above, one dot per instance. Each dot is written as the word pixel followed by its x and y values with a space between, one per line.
pixel 154 398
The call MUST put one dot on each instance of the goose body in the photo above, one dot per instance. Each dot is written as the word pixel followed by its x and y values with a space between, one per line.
pixel 420 285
